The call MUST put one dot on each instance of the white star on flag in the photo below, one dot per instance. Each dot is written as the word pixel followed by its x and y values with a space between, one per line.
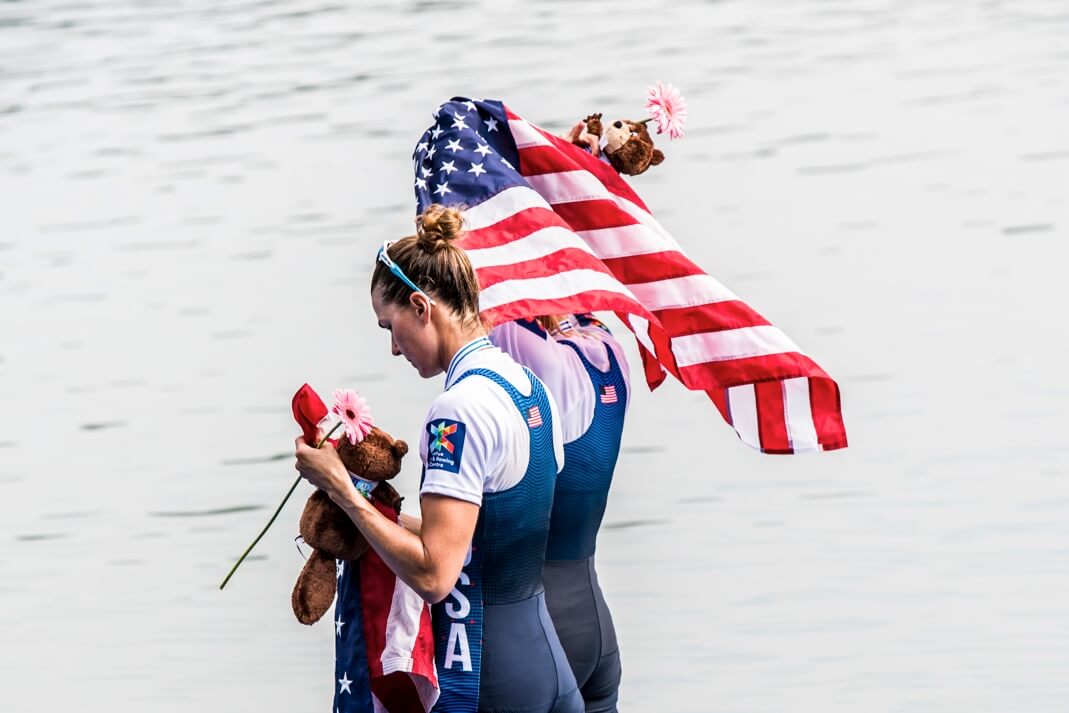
pixel 483 149
pixel 491 124
pixel 443 189
pixel 470 104
pixel 344 681
pixel 448 167
pixel 453 145
pixel 477 169
pixel 421 183
pixel 422 147
pixel 430 154
pixel 458 122
pixel 427 173
pixel 339 623
pixel 436 132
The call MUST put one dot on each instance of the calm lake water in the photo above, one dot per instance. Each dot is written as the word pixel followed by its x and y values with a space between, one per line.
pixel 190 199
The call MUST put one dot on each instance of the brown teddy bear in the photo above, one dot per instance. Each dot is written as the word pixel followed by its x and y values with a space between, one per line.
pixel 328 529
pixel 627 144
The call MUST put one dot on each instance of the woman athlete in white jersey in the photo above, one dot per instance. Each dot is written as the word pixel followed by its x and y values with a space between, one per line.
pixel 585 369
pixel 491 451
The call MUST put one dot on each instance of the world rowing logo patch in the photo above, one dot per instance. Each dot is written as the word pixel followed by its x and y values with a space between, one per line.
pixel 446 445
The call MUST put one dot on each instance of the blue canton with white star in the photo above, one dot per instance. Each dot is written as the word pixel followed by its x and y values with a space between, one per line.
pixel 352 687
pixel 467 155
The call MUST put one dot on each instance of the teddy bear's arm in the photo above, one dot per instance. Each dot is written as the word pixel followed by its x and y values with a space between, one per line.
pixel 593 124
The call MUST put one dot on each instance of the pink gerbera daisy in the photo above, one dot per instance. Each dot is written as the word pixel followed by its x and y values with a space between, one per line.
pixel 353 410
pixel 668 108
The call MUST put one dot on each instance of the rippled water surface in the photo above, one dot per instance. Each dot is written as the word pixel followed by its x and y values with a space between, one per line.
pixel 190 199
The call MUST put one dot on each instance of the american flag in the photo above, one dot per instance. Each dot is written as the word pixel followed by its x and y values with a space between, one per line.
pixel 608 394
pixel 553 230
pixel 534 417
pixel 384 644
pixel 384 653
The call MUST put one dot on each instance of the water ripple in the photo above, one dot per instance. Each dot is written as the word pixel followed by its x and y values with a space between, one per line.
pixel 207 513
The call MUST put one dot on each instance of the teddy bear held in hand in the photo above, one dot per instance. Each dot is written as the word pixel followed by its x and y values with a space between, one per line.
pixel 328 529
pixel 627 144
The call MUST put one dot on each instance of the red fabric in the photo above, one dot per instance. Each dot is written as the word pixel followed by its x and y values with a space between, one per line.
pixel 770 419
pixel 395 690
pixel 308 410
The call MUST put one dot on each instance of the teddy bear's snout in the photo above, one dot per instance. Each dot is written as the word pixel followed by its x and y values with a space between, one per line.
pixel 618 124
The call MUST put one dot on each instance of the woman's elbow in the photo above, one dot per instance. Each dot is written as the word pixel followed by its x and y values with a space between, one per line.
pixel 436 593
pixel 433 589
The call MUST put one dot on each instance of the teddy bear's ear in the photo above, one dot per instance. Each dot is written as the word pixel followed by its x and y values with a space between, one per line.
pixel 657 159
pixel 400 448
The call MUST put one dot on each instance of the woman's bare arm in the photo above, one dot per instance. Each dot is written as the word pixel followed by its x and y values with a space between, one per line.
pixel 428 561
pixel 410 522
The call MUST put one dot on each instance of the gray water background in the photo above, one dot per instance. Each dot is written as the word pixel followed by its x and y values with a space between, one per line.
pixel 190 199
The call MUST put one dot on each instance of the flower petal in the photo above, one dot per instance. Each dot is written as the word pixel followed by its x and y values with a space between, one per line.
pixel 667 108
pixel 354 412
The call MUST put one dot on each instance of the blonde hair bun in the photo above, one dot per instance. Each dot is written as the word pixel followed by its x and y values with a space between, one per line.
pixel 438 226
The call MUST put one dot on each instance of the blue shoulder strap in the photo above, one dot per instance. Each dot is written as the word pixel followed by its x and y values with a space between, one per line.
pixel 614 364
pixel 519 400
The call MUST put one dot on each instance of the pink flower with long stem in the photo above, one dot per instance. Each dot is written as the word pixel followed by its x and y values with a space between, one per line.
pixel 353 411
pixel 668 108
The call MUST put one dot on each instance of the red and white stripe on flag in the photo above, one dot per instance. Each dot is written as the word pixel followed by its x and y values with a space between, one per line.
pixel 398 637
pixel 577 238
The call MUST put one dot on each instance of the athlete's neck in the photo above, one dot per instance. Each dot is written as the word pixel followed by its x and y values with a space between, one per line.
pixel 454 335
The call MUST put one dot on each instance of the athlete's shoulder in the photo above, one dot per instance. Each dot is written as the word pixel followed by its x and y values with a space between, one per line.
pixel 481 389
pixel 470 397
pixel 462 428
pixel 529 326
pixel 520 338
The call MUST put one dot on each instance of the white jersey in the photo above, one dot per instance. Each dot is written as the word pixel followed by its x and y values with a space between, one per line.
pixel 559 367
pixel 475 440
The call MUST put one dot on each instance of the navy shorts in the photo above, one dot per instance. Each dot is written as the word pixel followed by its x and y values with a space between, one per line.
pixel 585 629
pixel 523 661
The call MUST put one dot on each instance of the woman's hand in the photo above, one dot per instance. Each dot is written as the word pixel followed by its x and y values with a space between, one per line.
pixel 427 554
pixel 579 136
pixel 322 467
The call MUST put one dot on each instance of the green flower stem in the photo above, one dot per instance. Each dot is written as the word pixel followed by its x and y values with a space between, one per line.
pixel 277 511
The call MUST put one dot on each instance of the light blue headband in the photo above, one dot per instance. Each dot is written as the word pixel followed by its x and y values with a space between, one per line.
pixel 384 258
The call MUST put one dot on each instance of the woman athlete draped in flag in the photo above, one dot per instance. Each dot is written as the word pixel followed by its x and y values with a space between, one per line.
pixel 585 369
pixel 491 450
